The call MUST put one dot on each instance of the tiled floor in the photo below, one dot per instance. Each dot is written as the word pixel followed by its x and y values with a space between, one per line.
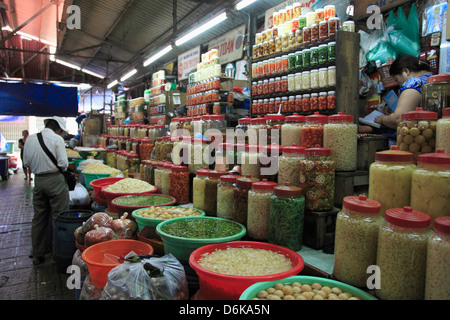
pixel 19 278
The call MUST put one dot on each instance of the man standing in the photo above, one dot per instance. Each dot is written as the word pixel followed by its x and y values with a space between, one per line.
pixel 26 170
pixel 50 193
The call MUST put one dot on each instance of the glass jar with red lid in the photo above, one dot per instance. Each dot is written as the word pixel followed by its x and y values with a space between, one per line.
pixel 179 184
pixel 430 187
pixel 258 218
pixel 289 164
pixel 402 254
pixel 225 190
pixel 269 161
pixel 198 189
pixel 240 198
pixel 274 123
pixel 256 125
pixel 211 182
pixel 291 130
pixel 241 129
pixel 356 239
pixel 312 131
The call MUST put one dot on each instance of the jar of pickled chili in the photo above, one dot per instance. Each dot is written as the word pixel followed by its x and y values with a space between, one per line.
pixel 179 184
pixel 312 131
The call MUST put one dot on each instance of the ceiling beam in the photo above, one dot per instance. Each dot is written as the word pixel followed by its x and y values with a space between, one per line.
pixel 28 61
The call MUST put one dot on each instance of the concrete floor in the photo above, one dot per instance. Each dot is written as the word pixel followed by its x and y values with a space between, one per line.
pixel 19 278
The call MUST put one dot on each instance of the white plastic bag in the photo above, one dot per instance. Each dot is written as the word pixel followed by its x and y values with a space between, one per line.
pixel 79 196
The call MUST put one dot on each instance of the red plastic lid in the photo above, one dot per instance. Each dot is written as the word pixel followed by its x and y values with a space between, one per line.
pixel 146 140
pixel 439 78
pixel 179 168
pixel 198 140
pixel 159 139
pixel 264 185
pixel 361 204
pixel 294 149
pixel 168 165
pixel 394 155
pixel 341 117
pixel 274 117
pixel 439 157
pixel 228 178
pixel 252 147
pixel 174 119
pixel 272 147
pixel 442 224
pixel 214 174
pixel 217 117
pixel 159 126
pixel 132 155
pixel 420 114
pixel 206 116
pixel 446 112
pixel 246 181
pixel 318 151
pixel 258 120
pixel 244 120
pixel 295 118
pixel 160 164
pixel 317 118
pixel 287 190
pixel 202 172
pixel 407 217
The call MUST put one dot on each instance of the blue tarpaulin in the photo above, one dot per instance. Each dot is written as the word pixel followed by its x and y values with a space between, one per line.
pixel 40 100
pixel 11 118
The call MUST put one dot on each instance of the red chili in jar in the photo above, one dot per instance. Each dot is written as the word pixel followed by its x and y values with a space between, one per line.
pixel 277 85
pixel 284 105
pixel 272 108
pixel 284 84
pixel 179 184
pixel 291 104
pixel 323 101
pixel 298 104
pixel 331 101
pixel 314 102
pixel 306 106
pixel 271 86
pixel 284 64
pixel 265 87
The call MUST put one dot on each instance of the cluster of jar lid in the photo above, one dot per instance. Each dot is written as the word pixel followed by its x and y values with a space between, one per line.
pixel 300 81
pixel 298 103
pixel 292 30
pixel 202 98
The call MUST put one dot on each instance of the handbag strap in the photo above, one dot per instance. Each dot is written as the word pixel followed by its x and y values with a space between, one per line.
pixel 49 154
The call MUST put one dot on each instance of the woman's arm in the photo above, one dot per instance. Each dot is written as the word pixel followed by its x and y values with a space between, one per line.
pixel 409 100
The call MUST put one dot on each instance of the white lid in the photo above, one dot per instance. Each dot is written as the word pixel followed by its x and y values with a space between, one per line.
pixel 323 69
pixel 292 98
pixel 323 93
pixel 331 93
pixel 315 70
pixel 306 96
pixel 332 67
pixel 299 96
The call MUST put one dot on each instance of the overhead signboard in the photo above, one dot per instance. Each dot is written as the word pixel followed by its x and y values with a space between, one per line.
pixel 188 61
pixel 230 45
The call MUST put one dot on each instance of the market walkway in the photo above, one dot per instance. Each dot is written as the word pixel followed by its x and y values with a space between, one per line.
pixel 19 278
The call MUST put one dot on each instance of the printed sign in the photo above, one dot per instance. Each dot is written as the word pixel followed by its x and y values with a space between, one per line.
pixel 230 45
pixel 269 13
pixel 188 61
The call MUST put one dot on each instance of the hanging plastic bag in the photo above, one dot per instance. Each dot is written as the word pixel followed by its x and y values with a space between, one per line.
pixel 402 44
pixel 147 278
pixel 383 52
pixel 412 31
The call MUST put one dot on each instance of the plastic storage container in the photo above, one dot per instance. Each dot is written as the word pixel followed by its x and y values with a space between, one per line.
pixel 402 254
pixel 437 282
pixel 436 92
pixel 179 184
pixel 289 165
pixel 240 198
pixel 356 239
pixel 225 190
pixel 443 131
pixel 287 213
pixel 258 218
pixel 340 135
pixel 430 184
pixel 416 132
pixel 312 131
pixel 291 130
pixel 198 186
pixel 317 179
pixel 390 178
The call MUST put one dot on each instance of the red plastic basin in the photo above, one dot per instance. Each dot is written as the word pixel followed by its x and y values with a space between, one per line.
pixel 98 185
pixel 110 196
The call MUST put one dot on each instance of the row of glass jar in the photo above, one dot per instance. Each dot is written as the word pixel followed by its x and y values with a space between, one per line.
pixel 171 179
pixel 136 131
pixel 300 81
pixel 202 98
pixel 412 258
pixel 202 86
pixel 124 160
pixel 299 103
pixel 197 125
pixel 296 61
pixel 142 147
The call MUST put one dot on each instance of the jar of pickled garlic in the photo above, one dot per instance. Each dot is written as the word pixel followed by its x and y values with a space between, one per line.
pixel 211 182
pixel 306 80
pixel 402 254
pixel 323 78
pixel 331 77
pixel 437 279
pixel 430 185
pixel 312 131
pixel 291 130
pixel 240 198
pixel 443 131
pixel 356 239
pixel 314 79
pixel 340 135
pixel 287 210
pixel 289 164
pixel 179 184
pixel 416 132
pixel 158 175
pixel 390 178
pixel 291 82
pixel 167 169
pixel 258 218
pixel 298 81
pixel 225 190
pixel 198 189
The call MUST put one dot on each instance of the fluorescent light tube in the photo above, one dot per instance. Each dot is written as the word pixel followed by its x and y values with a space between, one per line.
pixel 243 4
pixel 67 64
pixel 27 36
pixel 52 50
pixel 199 30
pixel 128 75
pixel 92 73
pixel 112 84
pixel 48 43
pixel 158 55
pixel 6 28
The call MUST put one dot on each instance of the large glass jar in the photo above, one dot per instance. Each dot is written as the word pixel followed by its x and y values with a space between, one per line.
pixel 258 218
pixel 312 131
pixel 173 126
pixel 179 184
pixel 390 178
pixel 256 124
pixel 274 123
pixel 240 198
pixel 158 175
pixel 402 254
pixel 416 132
pixel 241 130
pixel 250 161
pixel 340 135
pixel 198 186
pixel 211 182
pixel 167 169
pixel 225 190
pixel 437 277
pixel 110 156
pixel 145 149
pixel 430 184
pixel 289 165
pixel 287 212
pixel 198 160
pixel 443 131
pixel 317 179
pixel 269 161
pixel 356 239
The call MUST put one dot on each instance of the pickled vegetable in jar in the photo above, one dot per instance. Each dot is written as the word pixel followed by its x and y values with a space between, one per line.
pixel 197 155
pixel 258 218
pixel 416 132
pixel 158 175
pixel 443 131
pixel 306 58
pixel 211 182
pixel 167 169
pixel 289 165
pixel 317 179
pixel 314 56
pixel 356 239
pixel 315 83
pixel 437 277
pixel 402 254
pixel 250 162
pixel 390 178
pixel 198 186
pixel 225 190
pixel 179 184
pixel 287 211
pixel 312 131
pixel 291 130
pixel 430 184
pixel 240 198
pixel 269 161
pixel 340 135
pixel 145 149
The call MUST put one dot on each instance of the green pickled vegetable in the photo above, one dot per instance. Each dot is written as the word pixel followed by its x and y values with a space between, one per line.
pixel 138 201
pixel 317 180
pixel 201 228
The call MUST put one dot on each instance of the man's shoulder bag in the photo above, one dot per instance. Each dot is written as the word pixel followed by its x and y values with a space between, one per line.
pixel 69 175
